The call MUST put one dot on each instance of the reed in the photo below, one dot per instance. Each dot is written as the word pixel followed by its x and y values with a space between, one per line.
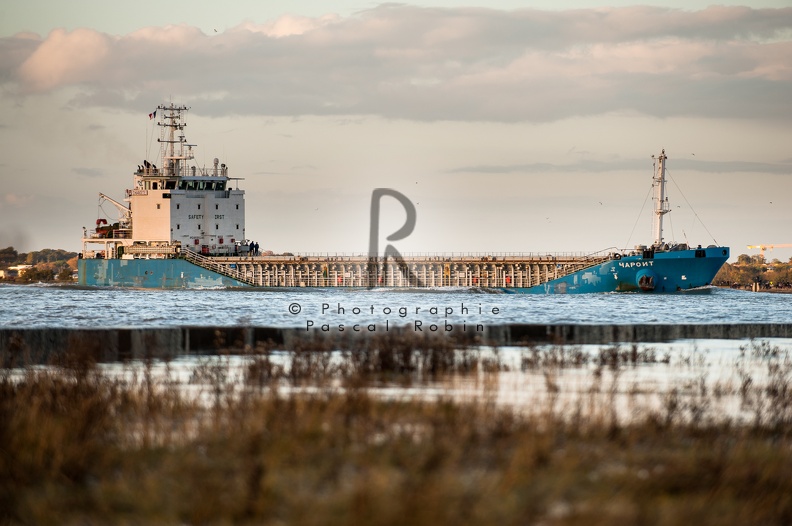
pixel 303 436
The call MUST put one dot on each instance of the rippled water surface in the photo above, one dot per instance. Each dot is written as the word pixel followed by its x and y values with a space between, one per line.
pixel 54 306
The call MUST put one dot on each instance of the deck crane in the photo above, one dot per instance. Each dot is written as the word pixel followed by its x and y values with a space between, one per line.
pixel 124 213
pixel 762 248
pixel 124 217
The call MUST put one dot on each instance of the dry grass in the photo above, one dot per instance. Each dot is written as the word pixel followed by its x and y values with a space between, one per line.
pixel 81 446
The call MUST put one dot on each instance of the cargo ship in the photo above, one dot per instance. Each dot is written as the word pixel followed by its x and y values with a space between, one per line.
pixel 183 226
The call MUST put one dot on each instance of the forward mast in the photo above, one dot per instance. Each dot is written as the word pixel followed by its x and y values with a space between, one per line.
pixel 660 199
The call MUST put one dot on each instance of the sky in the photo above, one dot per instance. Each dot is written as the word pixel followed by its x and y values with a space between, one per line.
pixel 512 126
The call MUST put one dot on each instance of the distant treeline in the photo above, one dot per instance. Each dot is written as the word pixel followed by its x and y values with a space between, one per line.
pixel 10 257
pixel 755 269
pixel 48 264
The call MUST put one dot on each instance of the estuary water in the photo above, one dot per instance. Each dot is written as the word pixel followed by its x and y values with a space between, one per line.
pixel 684 370
pixel 39 305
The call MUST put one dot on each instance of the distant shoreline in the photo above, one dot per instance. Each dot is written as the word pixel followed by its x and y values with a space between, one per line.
pixel 75 285
pixel 773 290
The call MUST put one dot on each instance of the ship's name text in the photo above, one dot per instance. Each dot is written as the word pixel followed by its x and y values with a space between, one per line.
pixel 633 264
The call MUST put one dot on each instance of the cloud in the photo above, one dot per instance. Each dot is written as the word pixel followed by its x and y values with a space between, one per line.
pixel 14 51
pixel 618 165
pixel 289 25
pixel 88 172
pixel 734 167
pixel 65 58
pixel 16 200
pixel 544 168
pixel 461 64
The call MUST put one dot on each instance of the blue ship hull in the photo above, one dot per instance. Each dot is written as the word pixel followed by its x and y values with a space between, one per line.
pixel 647 272
pixel 150 274
pixel 658 272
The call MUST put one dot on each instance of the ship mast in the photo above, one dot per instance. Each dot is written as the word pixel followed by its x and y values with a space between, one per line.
pixel 173 157
pixel 660 199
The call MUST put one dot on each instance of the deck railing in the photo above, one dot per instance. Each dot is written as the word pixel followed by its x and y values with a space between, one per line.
pixel 414 272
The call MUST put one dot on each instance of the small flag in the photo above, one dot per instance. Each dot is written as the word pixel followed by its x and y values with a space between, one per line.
pixel 152 115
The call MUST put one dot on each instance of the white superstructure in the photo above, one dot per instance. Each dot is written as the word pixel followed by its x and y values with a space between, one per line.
pixel 173 205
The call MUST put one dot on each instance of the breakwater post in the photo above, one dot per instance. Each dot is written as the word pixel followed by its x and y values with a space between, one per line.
pixel 43 345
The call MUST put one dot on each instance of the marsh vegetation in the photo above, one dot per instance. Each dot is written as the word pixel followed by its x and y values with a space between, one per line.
pixel 400 430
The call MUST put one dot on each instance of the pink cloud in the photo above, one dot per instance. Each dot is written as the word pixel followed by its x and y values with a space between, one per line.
pixel 428 63
pixel 66 58
pixel 289 25
pixel 17 200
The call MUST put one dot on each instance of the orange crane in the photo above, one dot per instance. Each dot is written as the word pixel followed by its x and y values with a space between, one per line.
pixel 762 248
